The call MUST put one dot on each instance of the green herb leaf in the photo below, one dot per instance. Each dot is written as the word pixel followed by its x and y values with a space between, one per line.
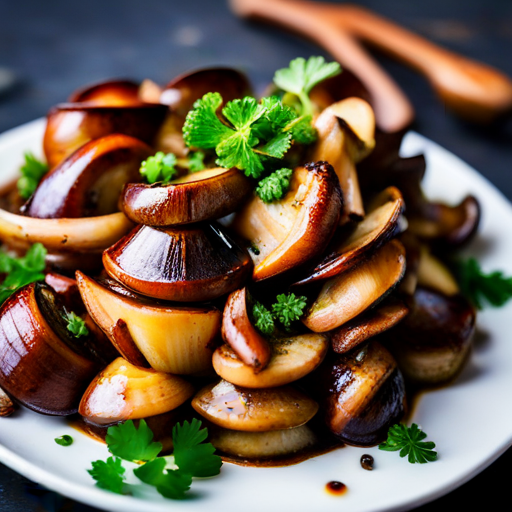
pixel 169 483
pixel 76 325
pixel 409 440
pixel 195 161
pixel 302 130
pixel 31 173
pixel 288 308
pixel 301 76
pixel 64 440
pixel 481 288
pixel 275 186
pixel 263 319
pixel 191 455
pixel 21 271
pixel 160 167
pixel 129 443
pixel 109 475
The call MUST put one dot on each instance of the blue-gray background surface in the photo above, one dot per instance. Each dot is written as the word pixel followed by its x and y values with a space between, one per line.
pixel 55 46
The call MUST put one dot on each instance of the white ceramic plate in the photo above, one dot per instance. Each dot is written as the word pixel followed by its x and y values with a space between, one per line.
pixel 472 408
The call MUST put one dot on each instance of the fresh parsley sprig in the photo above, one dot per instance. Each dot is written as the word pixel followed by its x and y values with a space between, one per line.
pixel 263 319
pixel 288 308
pixel 75 325
pixel 274 187
pixel 21 271
pixel 481 288
pixel 192 456
pixel 302 75
pixel 160 167
pixel 409 440
pixel 31 173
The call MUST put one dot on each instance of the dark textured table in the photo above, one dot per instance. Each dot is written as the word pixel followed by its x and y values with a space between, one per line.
pixel 56 46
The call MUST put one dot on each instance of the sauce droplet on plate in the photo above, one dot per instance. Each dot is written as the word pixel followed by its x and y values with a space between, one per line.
pixel 336 488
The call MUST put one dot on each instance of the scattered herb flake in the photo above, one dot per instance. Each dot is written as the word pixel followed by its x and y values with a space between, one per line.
pixel 64 440
pixel 409 440
pixel 76 325
pixel 32 172
pixel 274 187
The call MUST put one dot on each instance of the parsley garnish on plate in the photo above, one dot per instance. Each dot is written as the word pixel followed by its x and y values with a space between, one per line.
pixel 21 271
pixel 192 457
pixel 31 173
pixel 480 288
pixel 409 440
pixel 76 325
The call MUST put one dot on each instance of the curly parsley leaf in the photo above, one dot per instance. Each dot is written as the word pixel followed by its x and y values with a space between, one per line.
pixel 160 167
pixel 263 319
pixel 275 186
pixel 302 75
pixel 481 288
pixel 21 271
pixel 191 455
pixel 169 483
pixel 131 443
pixel 409 440
pixel 32 172
pixel 76 325
pixel 288 308
pixel 109 475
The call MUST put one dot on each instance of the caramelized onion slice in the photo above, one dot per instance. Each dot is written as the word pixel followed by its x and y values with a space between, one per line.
pixel 292 231
pixel 189 264
pixel 123 392
pixel 344 297
pixel 174 339
pixel 204 195
pixel 292 358
pixel 254 410
pixel 379 225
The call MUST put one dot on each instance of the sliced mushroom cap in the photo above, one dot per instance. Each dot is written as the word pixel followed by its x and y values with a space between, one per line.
pixel 292 231
pixel 254 410
pixel 344 297
pixel 43 366
pixel 189 264
pixel 7 406
pixel 108 93
pixel 370 323
pixel 88 183
pixel 292 358
pixel 433 341
pixel 262 445
pixel 123 392
pixel 71 125
pixel 434 274
pixel 174 339
pixel 205 195
pixel 345 136
pixel 241 336
pixel 380 224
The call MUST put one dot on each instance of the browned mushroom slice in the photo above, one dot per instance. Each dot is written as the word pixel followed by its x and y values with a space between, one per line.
pixel 262 445
pixel 380 224
pixel 344 297
pixel 91 234
pixel 181 93
pixel 88 183
pixel 239 333
pixel 432 343
pixel 345 136
pixel 204 195
pixel 190 264
pixel 347 384
pixel 7 406
pixel 434 274
pixel 109 93
pixel 375 321
pixel 292 231
pixel 412 246
pixel 174 339
pixel 123 391
pixel 43 366
pixel 71 125
pixel 254 410
pixel 292 358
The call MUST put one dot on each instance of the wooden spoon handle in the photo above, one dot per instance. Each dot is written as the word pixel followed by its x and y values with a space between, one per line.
pixel 393 111
pixel 472 89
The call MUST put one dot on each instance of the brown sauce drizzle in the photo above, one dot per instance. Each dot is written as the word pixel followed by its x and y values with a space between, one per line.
pixel 336 488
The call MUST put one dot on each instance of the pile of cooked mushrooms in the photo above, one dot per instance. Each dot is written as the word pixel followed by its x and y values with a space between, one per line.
pixel 166 277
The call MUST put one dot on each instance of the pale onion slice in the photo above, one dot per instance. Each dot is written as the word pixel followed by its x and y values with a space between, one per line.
pixel 433 273
pixel 292 359
pixel 123 392
pixel 344 297
pixel 253 410
pixel 263 445
pixel 174 339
